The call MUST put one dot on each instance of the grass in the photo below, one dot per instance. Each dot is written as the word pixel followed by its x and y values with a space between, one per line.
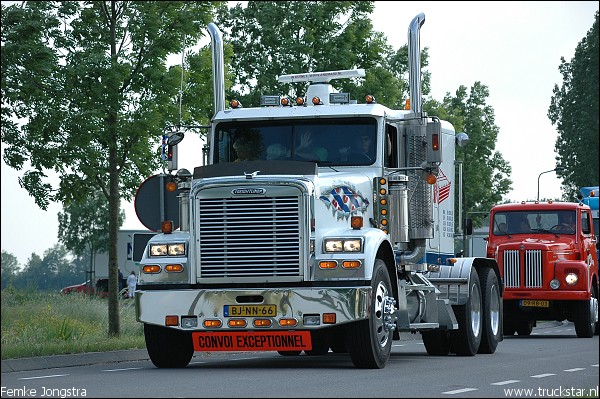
pixel 43 324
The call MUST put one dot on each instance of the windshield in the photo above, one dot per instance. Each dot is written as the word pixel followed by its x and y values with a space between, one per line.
pixel 331 142
pixel 560 222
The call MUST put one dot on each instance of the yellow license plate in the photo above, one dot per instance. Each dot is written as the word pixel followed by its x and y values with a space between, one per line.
pixel 535 303
pixel 250 310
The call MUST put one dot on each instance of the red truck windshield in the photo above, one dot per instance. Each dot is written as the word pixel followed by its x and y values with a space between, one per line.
pixel 522 222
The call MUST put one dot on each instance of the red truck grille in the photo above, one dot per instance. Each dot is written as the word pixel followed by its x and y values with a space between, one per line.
pixel 522 269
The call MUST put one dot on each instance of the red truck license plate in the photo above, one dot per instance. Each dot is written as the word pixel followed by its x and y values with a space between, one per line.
pixel 535 303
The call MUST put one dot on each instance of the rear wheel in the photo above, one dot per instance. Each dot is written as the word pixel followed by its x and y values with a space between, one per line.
pixel 168 348
pixel 492 311
pixel 369 342
pixel 466 340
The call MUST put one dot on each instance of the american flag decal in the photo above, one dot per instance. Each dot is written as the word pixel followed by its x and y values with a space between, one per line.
pixel 344 201
pixel 441 190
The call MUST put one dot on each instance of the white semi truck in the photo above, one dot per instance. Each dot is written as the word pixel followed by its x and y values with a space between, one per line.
pixel 315 245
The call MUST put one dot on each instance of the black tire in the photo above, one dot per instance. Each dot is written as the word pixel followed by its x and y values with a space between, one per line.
pixel 492 311
pixel 524 327
pixel 466 340
pixel 436 342
pixel 320 343
pixel 368 341
pixel 584 326
pixel 168 348
pixel 289 353
pixel 597 329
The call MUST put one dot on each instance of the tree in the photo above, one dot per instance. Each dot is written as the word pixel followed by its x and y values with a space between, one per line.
pixel 574 111
pixel 485 173
pixel 10 268
pixel 83 227
pixel 272 38
pixel 90 83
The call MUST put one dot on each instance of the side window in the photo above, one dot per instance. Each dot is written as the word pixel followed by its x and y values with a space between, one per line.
pixel 390 146
pixel 585 222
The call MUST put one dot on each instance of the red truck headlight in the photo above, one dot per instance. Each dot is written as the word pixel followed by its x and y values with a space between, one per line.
pixel 571 278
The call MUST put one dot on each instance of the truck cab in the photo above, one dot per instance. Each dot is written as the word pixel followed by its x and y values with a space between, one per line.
pixel 546 252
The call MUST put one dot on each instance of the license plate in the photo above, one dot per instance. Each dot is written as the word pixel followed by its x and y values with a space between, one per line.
pixel 535 303
pixel 250 310
pixel 251 341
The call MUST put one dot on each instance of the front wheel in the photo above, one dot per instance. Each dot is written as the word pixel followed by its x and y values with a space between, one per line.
pixel 369 342
pixel 436 342
pixel 466 340
pixel 168 348
pixel 585 323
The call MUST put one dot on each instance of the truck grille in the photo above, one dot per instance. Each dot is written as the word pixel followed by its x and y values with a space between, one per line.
pixel 532 273
pixel 249 237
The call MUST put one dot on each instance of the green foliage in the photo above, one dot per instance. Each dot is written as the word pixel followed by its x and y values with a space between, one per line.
pixel 485 173
pixel 38 324
pixel 90 84
pixel 272 38
pixel 574 110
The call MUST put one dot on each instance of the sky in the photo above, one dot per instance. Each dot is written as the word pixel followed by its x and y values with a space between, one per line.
pixel 513 47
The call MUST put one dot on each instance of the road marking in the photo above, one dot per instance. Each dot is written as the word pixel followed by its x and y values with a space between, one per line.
pixel 542 375
pixel 575 369
pixel 594 365
pixel 459 391
pixel 505 382
pixel 44 376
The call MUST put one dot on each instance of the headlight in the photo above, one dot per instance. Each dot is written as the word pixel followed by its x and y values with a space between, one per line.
pixel 176 249
pixel 158 249
pixel 333 245
pixel 571 279
pixel 340 245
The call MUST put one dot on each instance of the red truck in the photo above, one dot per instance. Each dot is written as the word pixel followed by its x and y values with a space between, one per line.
pixel 546 252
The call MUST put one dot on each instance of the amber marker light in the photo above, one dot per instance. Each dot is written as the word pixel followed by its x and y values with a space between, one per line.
pixel 430 178
pixel 407 104
pixel 285 101
pixel 351 264
pixel 235 104
pixel 327 264
pixel 370 99
pixel 171 320
pixel 317 101
pixel 288 322
pixel 151 269
pixel 329 318
pixel 356 222
pixel 171 186
pixel 236 323
pixel 262 323
pixel 166 226
pixel 212 323
pixel 382 191
pixel 174 268
pixel 299 101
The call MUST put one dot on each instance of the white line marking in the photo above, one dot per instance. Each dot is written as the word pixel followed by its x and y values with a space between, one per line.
pixel 575 369
pixel 459 391
pixel 542 375
pixel 43 376
pixel 505 382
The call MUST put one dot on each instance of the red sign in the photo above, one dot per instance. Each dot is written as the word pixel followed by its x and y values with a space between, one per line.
pixel 252 341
